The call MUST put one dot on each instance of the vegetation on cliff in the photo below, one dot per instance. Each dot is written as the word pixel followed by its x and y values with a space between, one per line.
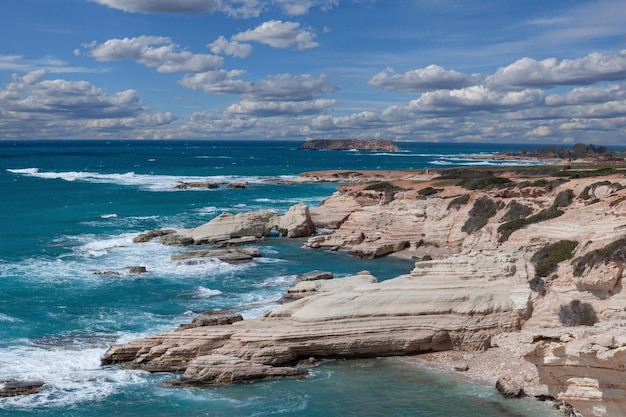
pixel 577 313
pixel 484 209
pixel 613 252
pixel 546 259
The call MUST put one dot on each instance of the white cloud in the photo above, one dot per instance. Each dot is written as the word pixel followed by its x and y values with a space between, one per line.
pixel 163 6
pixel 223 46
pixel 433 77
pixel 155 52
pixel 48 63
pixel 476 98
pixel 283 87
pixel 586 95
pixel 529 73
pixel 540 131
pixel 35 107
pixel 274 108
pixel 234 8
pixel 279 34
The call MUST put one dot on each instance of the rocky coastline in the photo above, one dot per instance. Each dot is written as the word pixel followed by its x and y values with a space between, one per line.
pixel 514 267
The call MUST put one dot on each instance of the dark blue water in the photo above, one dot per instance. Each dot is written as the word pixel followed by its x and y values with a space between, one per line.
pixel 70 209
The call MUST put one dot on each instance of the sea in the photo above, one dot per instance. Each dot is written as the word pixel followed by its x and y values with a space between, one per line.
pixel 69 212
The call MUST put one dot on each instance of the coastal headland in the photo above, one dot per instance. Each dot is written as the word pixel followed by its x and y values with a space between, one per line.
pixel 517 282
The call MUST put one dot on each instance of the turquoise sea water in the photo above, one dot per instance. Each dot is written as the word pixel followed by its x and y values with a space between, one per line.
pixel 70 209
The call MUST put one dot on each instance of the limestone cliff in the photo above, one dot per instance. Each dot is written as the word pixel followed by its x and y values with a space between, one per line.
pixel 508 255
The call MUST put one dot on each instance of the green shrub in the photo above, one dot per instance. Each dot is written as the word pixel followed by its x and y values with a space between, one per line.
pixel 577 314
pixel 546 259
pixel 486 183
pixel 429 191
pixel 563 199
pixel 484 208
pixel 506 229
pixel 586 193
pixel 516 211
pixel 613 252
pixel 459 201
pixel 347 174
pixel 382 186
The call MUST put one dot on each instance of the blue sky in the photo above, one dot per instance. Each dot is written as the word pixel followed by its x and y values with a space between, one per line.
pixel 409 70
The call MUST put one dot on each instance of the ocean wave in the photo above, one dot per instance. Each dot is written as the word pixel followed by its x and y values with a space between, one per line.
pixel 482 162
pixel 93 258
pixel 306 200
pixel 282 281
pixel 147 182
pixel 71 376
pixel 8 319
pixel 203 292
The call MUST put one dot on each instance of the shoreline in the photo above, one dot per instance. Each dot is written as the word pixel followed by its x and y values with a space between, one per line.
pixel 471 284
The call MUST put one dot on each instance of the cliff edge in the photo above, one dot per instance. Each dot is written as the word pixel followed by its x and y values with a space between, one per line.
pixel 533 257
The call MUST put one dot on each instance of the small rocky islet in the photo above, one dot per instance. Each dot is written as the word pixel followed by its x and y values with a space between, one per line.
pixel 526 262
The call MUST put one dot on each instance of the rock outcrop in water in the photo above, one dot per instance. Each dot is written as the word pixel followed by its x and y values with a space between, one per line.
pixel 496 257
pixel 380 145
pixel 237 229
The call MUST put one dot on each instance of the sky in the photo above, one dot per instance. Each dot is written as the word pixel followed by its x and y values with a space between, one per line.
pixel 491 71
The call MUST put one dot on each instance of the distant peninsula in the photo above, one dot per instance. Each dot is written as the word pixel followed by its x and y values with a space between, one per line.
pixel 349 144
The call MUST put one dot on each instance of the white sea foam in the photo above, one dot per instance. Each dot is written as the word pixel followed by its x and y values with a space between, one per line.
pixel 93 254
pixel 109 216
pixel 308 200
pixel 71 376
pixel 148 182
pixel 204 292
pixel 8 319
pixel 482 162
pixel 281 281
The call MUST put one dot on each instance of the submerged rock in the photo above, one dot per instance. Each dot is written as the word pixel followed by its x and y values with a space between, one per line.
pixel 230 255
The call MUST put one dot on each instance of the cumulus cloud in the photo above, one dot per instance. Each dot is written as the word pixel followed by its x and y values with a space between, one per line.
pixel 475 98
pixel 279 34
pixel 529 73
pixel 283 87
pixel 155 52
pixel 61 103
pixel 274 108
pixel 223 46
pixel 587 95
pixel 433 77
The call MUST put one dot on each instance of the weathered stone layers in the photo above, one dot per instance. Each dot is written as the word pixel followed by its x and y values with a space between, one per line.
pixel 354 317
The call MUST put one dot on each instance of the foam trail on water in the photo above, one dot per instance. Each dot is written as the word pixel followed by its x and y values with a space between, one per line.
pixel 144 181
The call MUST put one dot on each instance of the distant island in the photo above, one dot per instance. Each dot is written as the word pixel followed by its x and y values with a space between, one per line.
pixel 349 144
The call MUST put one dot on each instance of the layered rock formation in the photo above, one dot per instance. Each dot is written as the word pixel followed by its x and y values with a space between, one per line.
pixel 477 275
pixel 347 317
pixel 237 229
pixel 584 367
